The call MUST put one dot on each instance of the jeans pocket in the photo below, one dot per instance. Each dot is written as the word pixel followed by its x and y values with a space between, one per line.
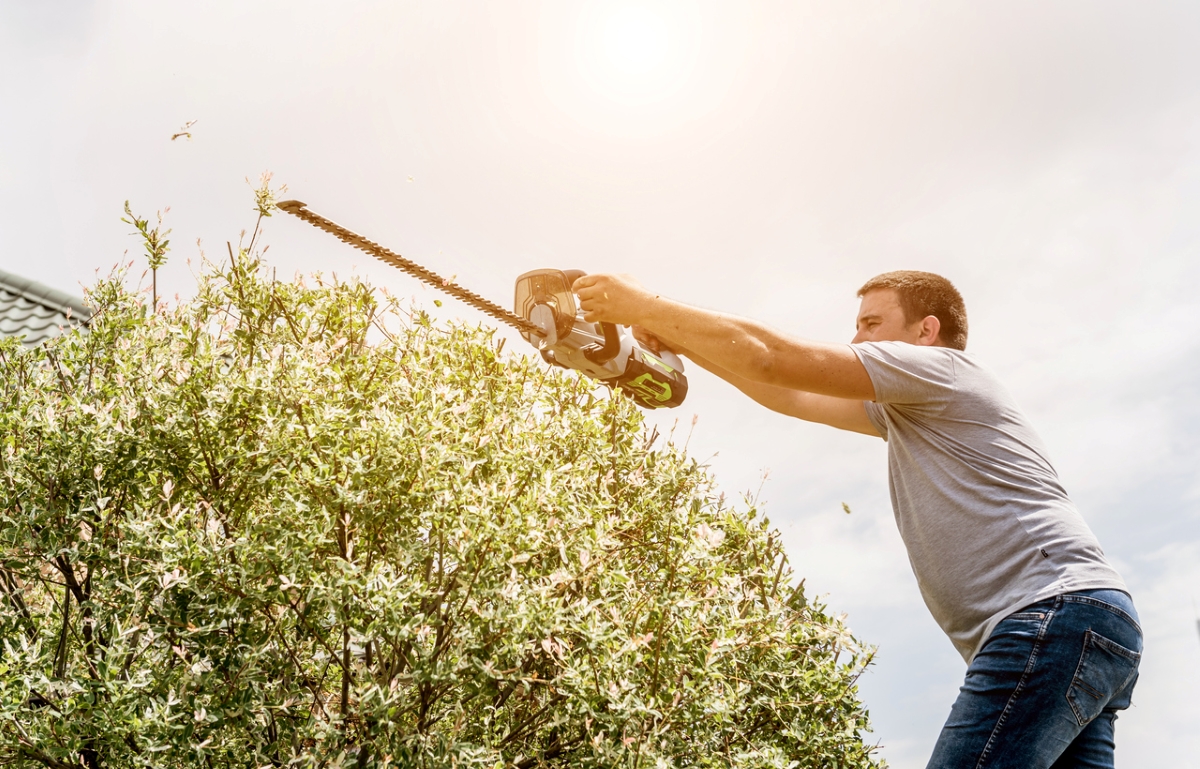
pixel 1105 667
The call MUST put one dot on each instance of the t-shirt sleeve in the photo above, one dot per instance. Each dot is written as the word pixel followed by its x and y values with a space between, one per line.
pixel 877 417
pixel 908 375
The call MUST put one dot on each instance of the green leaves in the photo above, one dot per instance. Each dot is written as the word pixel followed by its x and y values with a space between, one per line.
pixel 154 240
pixel 293 525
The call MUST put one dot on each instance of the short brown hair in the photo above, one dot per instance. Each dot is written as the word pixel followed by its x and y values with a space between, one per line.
pixel 922 294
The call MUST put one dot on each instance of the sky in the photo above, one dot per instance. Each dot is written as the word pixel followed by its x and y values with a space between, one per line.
pixel 760 158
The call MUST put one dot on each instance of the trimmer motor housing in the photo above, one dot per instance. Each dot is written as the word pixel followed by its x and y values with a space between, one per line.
pixel 603 351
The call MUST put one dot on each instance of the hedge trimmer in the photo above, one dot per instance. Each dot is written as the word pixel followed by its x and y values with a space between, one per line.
pixel 547 315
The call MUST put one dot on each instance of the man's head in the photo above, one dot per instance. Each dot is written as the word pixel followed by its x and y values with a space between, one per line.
pixel 914 307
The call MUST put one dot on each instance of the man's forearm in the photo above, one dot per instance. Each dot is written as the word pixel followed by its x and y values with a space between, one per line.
pixel 757 353
pixel 776 398
pixel 836 412
pixel 748 349
pixel 772 396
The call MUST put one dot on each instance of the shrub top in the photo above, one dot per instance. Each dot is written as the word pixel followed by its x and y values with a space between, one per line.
pixel 289 524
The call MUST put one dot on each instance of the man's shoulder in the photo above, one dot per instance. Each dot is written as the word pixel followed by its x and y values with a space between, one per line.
pixel 908 373
pixel 923 360
pixel 907 349
pixel 935 381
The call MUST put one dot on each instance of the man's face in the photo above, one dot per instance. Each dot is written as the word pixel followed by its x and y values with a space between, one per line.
pixel 881 319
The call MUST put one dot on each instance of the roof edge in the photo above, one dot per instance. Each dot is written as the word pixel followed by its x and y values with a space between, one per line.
pixel 45 296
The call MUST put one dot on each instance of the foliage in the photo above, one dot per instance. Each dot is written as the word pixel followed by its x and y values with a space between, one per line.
pixel 154 241
pixel 282 524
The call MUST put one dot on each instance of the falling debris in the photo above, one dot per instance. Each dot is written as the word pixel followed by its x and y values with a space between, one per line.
pixel 411 179
pixel 846 508
pixel 184 131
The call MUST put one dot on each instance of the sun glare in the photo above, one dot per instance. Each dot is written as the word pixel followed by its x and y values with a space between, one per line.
pixel 637 53
pixel 636 41
pixel 644 68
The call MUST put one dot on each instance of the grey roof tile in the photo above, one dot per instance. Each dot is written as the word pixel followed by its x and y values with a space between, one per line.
pixel 36 312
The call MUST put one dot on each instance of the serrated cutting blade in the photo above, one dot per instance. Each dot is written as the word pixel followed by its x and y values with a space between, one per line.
pixel 300 210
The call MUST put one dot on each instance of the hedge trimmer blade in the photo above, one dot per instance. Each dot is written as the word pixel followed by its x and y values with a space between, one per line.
pixel 300 210
pixel 549 318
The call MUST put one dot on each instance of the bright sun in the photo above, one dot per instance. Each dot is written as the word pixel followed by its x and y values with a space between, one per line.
pixel 635 42
pixel 637 53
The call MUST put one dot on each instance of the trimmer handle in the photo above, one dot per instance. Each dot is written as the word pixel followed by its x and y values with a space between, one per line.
pixel 612 338
pixel 547 298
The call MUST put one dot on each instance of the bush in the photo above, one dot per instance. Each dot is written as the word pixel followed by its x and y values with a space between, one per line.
pixel 290 525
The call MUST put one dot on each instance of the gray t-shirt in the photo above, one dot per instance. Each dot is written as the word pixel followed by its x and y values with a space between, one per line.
pixel 988 527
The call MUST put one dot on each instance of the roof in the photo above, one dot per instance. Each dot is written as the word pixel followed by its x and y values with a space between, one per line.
pixel 36 312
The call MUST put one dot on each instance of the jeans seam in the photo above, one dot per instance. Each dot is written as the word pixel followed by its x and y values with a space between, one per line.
pixel 1092 638
pixel 1105 642
pixel 1033 655
pixel 1103 605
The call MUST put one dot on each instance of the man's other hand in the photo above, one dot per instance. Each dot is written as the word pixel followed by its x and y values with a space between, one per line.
pixel 651 342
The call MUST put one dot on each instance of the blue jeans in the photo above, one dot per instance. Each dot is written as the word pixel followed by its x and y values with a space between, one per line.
pixel 1044 691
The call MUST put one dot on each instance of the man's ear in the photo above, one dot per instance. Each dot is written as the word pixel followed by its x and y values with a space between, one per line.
pixel 930 328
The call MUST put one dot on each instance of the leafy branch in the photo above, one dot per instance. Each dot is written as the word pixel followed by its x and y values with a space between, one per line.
pixel 154 241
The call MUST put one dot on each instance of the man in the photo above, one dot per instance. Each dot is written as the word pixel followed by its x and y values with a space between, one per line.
pixel 1004 561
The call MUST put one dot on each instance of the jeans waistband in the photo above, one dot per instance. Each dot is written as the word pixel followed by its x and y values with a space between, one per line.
pixel 1115 600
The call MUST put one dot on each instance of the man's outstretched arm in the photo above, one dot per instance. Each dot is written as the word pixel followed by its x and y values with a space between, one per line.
pixel 842 413
pixel 750 350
